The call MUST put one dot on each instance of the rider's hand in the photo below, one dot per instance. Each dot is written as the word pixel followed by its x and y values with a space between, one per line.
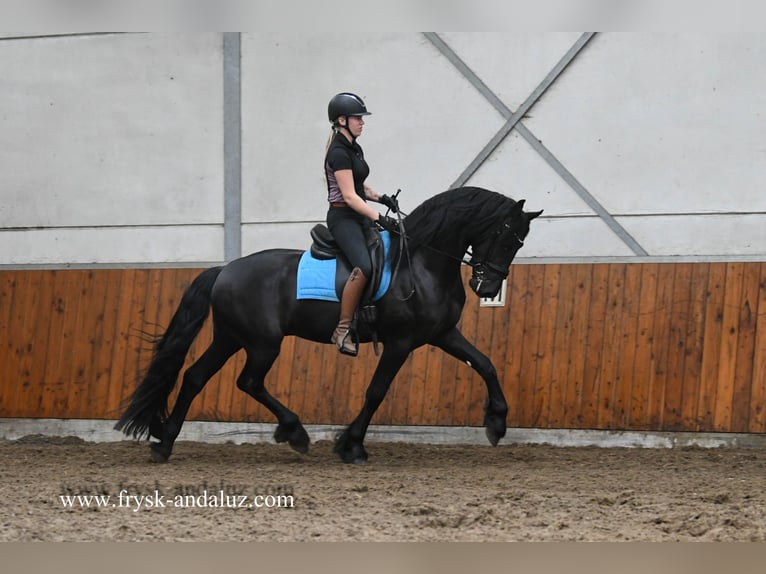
pixel 390 202
pixel 387 223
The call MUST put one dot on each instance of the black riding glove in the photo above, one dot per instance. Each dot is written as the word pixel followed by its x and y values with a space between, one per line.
pixel 390 202
pixel 387 223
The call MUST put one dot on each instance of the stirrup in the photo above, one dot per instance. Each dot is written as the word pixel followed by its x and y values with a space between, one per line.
pixel 340 342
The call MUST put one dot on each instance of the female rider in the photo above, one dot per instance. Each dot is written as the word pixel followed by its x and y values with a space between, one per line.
pixel 347 193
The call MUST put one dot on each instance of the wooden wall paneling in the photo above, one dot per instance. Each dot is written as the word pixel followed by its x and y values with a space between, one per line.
pixel 133 334
pixel 711 346
pixel 316 389
pixel 575 351
pixel 93 308
pixel 102 340
pixel 24 305
pixel 559 356
pixel 729 340
pixel 9 359
pixel 292 395
pixel 743 374
pixel 291 391
pixel 682 346
pixel 53 389
pixel 644 342
pixel 82 343
pixel 694 344
pixel 593 347
pixel 757 416
pixel 516 299
pixel 305 397
pixel 116 396
pixel 658 367
pixel 31 315
pixel 626 341
pixel 545 345
pixel 16 345
pixel 680 316
pixel 533 300
pixel 611 347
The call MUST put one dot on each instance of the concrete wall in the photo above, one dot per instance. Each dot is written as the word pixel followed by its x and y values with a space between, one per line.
pixel 645 145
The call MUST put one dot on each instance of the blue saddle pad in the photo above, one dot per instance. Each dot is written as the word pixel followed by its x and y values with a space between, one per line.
pixel 316 277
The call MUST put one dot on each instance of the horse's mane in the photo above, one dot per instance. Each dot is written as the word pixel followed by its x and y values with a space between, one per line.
pixel 468 210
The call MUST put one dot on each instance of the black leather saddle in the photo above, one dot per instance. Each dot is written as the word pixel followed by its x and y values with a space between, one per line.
pixel 324 246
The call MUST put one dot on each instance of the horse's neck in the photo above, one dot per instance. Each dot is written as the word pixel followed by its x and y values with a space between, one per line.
pixel 441 259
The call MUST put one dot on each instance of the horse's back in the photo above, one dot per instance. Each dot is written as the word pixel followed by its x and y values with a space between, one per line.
pixel 258 293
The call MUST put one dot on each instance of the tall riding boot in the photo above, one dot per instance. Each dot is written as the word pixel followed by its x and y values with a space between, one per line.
pixel 349 301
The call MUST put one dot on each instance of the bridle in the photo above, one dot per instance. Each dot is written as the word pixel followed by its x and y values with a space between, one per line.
pixel 479 267
pixel 486 262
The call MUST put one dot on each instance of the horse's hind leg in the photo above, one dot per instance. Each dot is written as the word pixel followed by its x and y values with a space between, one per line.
pixel 195 378
pixel 251 381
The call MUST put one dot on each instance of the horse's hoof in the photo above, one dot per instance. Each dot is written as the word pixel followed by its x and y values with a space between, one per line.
pixel 296 437
pixel 159 453
pixel 494 427
pixel 349 451
pixel 301 443
pixel 494 435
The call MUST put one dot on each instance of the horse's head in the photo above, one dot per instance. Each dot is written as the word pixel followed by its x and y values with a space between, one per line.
pixel 494 251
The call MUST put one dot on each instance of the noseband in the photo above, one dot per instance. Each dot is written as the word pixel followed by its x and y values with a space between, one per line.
pixel 486 264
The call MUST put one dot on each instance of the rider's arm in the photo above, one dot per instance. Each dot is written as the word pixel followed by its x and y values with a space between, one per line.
pixel 345 179
pixel 371 193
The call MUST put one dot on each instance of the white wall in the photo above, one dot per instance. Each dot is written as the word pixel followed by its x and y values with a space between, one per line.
pixel 111 148
pixel 112 145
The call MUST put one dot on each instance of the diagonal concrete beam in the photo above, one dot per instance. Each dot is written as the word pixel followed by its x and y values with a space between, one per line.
pixel 513 121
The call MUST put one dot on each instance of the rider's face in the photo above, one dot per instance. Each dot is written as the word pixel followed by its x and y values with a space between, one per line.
pixel 355 124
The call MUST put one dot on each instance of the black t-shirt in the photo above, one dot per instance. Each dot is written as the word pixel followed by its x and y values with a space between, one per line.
pixel 343 154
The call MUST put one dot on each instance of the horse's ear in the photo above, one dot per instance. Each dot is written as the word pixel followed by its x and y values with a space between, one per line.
pixel 532 214
pixel 517 208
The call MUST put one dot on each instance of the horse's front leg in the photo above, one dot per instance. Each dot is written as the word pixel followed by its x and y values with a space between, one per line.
pixel 349 444
pixel 454 343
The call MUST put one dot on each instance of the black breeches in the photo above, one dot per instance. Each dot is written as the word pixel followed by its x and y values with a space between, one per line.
pixel 347 227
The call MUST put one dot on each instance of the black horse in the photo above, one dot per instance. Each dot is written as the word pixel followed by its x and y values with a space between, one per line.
pixel 255 306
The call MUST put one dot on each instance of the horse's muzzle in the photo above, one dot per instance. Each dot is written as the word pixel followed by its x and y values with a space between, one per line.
pixel 484 287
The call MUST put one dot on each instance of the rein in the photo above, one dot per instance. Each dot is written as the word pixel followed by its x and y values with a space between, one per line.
pixel 404 248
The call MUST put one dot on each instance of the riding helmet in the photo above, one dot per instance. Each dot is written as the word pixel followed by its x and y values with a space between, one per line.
pixel 346 104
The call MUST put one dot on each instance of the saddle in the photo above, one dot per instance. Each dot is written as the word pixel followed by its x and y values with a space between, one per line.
pixel 324 247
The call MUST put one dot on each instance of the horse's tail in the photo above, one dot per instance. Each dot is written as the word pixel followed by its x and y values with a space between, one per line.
pixel 148 407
